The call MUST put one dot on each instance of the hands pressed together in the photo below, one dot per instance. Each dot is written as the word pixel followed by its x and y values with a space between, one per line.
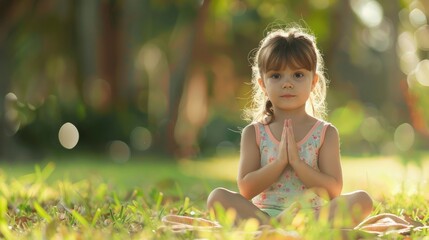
pixel 288 149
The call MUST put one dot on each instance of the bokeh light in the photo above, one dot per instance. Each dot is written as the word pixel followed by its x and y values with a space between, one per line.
pixel 348 118
pixel 148 58
pixel 422 72
pixel 139 79
pixel 152 65
pixel 141 138
pixel 422 37
pixel 408 62
pixel 119 151
pixel 68 135
pixel 404 137
pixel 379 37
pixel 13 122
pixel 406 43
pixel 370 12
pixel 417 17
pixel 196 100
pixel 371 129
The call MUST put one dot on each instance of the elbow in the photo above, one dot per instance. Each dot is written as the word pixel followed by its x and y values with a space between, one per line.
pixel 333 194
pixel 244 190
pixel 246 195
pixel 336 190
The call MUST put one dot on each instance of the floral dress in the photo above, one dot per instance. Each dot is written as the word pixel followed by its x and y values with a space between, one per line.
pixel 289 188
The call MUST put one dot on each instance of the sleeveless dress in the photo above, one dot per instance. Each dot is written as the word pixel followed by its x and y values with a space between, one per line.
pixel 289 189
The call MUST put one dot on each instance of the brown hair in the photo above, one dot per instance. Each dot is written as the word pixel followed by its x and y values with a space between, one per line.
pixel 292 47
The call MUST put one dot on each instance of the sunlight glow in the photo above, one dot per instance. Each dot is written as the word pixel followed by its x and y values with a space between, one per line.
pixel 422 72
pixel 404 137
pixel 417 17
pixel 379 37
pixel 68 135
pixel 407 52
pixel 422 37
pixel 408 62
pixel 369 12
pixel 406 43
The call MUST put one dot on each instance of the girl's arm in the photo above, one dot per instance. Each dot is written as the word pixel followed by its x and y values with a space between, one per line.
pixel 329 177
pixel 252 179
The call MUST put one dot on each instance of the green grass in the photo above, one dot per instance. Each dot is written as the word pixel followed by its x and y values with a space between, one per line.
pixel 88 197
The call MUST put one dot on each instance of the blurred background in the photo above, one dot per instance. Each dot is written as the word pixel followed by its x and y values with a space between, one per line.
pixel 130 78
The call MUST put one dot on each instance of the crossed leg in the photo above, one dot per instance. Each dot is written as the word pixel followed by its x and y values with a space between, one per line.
pixel 244 208
pixel 346 210
pixel 355 206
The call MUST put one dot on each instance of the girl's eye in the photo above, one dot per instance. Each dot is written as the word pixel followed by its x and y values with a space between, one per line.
pixel 298 75
pixel 275 76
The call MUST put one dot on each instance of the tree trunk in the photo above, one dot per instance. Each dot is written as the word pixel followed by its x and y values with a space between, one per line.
pixel 178 78
pixel 109 51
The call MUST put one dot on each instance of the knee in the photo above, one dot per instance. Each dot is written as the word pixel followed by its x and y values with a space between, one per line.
pixel 364 200
pixel 218 195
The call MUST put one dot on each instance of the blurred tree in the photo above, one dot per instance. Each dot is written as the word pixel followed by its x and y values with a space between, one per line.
pixel 190 51
pixel 11 14
pixel 5 9
pixel 177 70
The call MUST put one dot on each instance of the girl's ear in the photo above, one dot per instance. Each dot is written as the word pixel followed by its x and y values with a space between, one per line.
pixel 315 80
pixel 262 85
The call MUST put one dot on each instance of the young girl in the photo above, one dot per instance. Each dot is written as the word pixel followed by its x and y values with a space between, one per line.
pixel 288 153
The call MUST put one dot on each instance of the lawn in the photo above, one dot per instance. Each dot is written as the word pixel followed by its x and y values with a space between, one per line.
pixel 88 197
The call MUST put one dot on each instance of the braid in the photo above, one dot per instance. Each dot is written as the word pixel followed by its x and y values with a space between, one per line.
pixel 269 108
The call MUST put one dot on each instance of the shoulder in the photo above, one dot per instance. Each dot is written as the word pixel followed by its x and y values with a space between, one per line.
pixel 332 131
pixel 252 133
pixel 331 135
pixel 250 129
pixel 327 131
pixel 330 145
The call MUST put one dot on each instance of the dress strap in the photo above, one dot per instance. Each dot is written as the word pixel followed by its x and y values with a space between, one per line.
pixel 257 133
pixel 323 133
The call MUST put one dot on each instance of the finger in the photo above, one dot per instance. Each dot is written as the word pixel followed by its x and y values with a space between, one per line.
pixel 291 129
pixel 285 130
pixel 291 145
pixel 289 138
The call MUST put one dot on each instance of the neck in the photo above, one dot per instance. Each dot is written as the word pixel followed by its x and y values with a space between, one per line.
pixel 296 116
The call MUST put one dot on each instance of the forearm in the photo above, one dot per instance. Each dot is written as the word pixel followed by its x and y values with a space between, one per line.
pixel 257 181
pixel 316 179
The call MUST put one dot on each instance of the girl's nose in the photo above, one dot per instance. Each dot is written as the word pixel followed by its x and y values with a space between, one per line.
pixel 287 85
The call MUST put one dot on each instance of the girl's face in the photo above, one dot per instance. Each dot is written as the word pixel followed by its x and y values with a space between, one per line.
pixel 288 88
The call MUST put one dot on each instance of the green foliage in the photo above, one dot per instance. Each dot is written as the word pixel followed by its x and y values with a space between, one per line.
pixel 34 207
